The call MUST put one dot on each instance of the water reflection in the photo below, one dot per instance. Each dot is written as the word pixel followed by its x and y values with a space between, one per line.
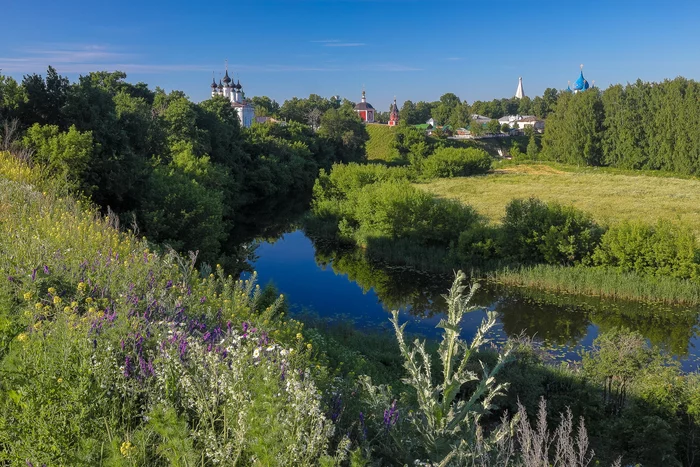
pixel 332 282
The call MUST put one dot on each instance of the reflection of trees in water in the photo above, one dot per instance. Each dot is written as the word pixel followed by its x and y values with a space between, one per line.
pixel 263 222
pixel 544 321
pixel 564 319
pixel 671 330
pixel 397 288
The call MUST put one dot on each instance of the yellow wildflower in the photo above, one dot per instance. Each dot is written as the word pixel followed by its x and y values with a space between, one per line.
pixel 299 336
pixel 81 286
pixel 308 346
pixel 37 325
pixel 22 337
pixel 92 309
pixel 28 296
pixel 52 291
pixel 38 305
pixel 59 380
pixel 73 304
pixel 127 448
pixel 88 300
pixel 67 309
pixel 57 300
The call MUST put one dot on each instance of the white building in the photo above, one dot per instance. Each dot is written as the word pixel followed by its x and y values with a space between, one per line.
pixel 522 121
pixel 232 91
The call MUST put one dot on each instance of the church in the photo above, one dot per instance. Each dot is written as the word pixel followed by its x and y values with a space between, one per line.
pixel 365 110
pixel 233 92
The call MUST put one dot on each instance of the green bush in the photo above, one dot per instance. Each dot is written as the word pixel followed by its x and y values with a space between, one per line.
pixel 396 210
pixel 539 232
pixel 479 245
pixel 455 162
pixel 660 250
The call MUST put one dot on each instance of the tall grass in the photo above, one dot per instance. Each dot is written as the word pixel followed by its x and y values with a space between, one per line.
pixel 601 282
pixel 610 196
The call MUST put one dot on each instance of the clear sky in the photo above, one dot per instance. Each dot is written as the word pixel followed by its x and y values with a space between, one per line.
pixel 416 50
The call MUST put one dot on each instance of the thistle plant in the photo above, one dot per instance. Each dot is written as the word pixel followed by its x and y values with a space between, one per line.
pixel 446 417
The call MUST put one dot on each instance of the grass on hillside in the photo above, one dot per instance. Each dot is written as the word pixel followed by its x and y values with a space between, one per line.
pixel 610 197
pixel 379 145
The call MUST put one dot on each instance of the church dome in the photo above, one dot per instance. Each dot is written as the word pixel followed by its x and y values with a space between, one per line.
pixel 226 78
pixel 580 83
pixel 221 86
pixel 238 85
pixel 364 106
pixel 213 83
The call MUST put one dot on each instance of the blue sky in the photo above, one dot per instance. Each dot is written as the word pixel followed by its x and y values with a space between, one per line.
pixel 415 50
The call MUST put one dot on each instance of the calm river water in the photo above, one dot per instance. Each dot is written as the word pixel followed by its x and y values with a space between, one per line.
pixel 343 285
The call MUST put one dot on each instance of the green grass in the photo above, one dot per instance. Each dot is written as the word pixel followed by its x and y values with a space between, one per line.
pixel 601 282
pixel 609 195
pixel 379 145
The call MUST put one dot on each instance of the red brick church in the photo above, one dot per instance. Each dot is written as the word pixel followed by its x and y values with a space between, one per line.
pixel 365 110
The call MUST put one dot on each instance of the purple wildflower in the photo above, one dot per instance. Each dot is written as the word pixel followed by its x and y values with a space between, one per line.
pixel 183 349
pixel 203 299
pixel 127 367
pixel 336 407
pixel 391 416
pixel 46 270
pixel 29 464
pixel 10 278
pixel 363 427
pixel 33 279
pixel 169 284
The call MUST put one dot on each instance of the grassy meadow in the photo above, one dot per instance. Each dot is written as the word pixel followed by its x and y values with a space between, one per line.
pixel 609 196
pixel 379 144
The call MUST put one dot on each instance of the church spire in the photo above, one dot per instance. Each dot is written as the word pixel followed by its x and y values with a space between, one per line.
pixel 519 93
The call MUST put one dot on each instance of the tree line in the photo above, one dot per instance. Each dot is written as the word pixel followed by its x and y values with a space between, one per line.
pixel 639 125
pixel 181 170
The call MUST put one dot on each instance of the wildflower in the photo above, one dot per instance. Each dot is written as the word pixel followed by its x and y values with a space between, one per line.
pixel 46 270
pixel 37 325
pixel 308 346
pixel 92 310
pixel 28 296
pixel 127 449
pixel 22 337
pixel 59 380
pixel 33 274
pixel 73 304
pixel 81 286
pixel 299 336
pixel 88 300
pixel 52 290
pixel 67 309
pixel 391 416
pixel 57 300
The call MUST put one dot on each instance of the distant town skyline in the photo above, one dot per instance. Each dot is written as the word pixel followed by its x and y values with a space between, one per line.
pixel 408 49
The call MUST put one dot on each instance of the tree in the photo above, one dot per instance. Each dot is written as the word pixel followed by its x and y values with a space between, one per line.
pixel 45 98
pixel 525 106
pixel 442 112
pixel 493 126
pixel 460 116
pixel 505 128
pixel 532 149
pixel 345 131
pixel 408 113
pixel 65 154
pixel 423 111
pixel 264 106
pixel 12 96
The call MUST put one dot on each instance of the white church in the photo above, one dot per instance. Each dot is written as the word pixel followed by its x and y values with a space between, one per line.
pixel 232 91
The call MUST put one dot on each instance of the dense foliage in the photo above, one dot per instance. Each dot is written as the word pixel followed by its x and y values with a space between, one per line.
pixel 455 162
pixel 181 170
pixel 376 207
pixel 637 126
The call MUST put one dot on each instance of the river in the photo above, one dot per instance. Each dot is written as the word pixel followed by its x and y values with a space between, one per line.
pixel 331 283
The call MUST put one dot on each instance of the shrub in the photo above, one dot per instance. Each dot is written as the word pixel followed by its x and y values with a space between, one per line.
pixel 480 244
pixel 539 232
pixel 660 250
pixel 456 162
pixel 396 210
